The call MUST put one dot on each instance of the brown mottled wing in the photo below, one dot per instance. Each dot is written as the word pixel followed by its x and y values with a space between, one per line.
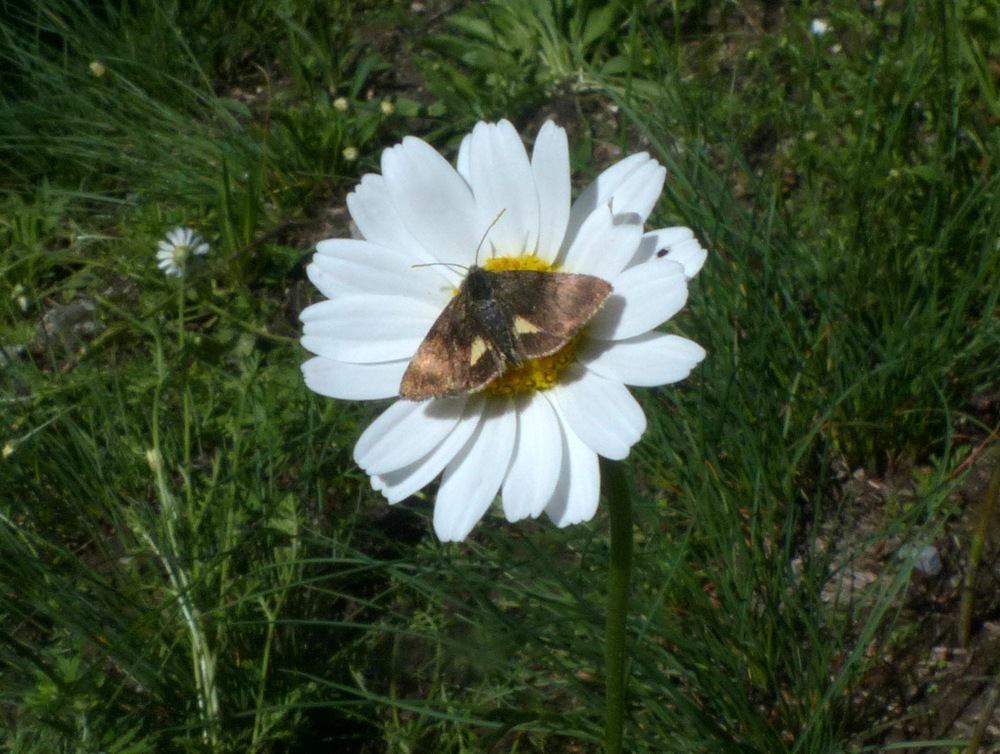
pixel 452 359
pixel 469 345
pixel 549 308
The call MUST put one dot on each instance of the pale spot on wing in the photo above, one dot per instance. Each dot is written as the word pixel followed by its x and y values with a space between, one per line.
pixel 524 327
pixel 476 351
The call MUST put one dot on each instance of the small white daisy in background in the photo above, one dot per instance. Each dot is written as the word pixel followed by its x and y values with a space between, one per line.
pixel 534 433
pixel 819 27
pixel 177 250
pixel 20 295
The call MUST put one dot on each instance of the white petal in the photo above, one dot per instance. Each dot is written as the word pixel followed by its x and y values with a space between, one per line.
pixel 658 240
pixel 462 158
pixel 364 329
pixel 634 179
pixel 645 296
pixel 537 462
pixel 576 496
pixel 400 484
pixel 178 236
pixel 504 188
pixel 646 360
pixel 675 245
pixel 354 382
pixel 471 480
pixel 432 200
pixel 600 191
pixel 374 212
pixel 406 432
pixel 639 192
pixel 345 266
pixel 602 247
pixel 601 412
pixel 550 164
pixel 688 254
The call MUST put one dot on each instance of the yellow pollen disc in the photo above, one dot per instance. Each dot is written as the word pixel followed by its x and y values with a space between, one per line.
pixel 535 374
pixel 526 262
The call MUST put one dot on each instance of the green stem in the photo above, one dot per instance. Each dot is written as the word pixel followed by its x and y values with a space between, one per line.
pixel 180 314
pixel 987 514
pixel 619 501
pixel 243 325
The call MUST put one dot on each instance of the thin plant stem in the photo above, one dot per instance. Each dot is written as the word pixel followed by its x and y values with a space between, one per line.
pixel 248 327
pixel 259 723
pixel 987 513
pixel 202 659
pixel 180 314
pixel 618 495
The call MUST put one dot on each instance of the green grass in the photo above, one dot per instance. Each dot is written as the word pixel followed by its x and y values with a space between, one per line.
pixel 190 560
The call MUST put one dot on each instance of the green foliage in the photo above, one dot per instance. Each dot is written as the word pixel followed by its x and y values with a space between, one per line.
pixel 121 98
pixel 190 560
pixel 514 55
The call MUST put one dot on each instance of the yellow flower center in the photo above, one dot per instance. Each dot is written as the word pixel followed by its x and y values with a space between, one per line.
pixel 180 254
pixel 534 374
pixel 525 262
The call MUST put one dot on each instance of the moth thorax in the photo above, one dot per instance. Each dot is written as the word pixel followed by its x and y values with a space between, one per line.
pixel 494 321
pixel 477 284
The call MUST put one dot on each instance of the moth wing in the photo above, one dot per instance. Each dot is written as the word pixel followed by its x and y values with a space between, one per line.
pixel 452 359
pixel 549 308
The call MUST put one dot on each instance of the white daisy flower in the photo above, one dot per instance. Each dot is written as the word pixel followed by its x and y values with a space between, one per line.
pixel 819 27
pixel 177 249
pixel 534 433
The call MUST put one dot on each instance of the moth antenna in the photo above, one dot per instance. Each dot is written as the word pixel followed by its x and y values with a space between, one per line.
pixel 440 264
pixel 487 232
pixel 481 242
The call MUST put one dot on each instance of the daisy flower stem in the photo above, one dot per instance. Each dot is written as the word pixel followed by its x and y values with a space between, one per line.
pixel 618 494
pixel 180 315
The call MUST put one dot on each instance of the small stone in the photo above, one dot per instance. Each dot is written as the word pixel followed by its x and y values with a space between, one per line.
pixel 69 323
pixel 926 558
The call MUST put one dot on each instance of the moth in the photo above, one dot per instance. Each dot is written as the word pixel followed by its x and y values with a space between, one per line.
pixel 497 321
